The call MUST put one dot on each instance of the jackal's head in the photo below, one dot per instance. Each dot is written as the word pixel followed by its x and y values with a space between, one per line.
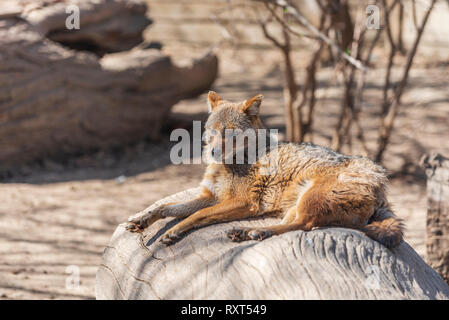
pixel 231 127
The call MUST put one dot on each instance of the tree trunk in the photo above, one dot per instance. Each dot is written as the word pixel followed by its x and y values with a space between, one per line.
pixel 332 263
pixel 56 102
pixel 437 242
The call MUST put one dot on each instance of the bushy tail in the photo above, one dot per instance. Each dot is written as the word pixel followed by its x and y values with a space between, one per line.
pixel 385 228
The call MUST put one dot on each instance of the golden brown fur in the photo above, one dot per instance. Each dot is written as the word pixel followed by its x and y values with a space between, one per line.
pixel 307 185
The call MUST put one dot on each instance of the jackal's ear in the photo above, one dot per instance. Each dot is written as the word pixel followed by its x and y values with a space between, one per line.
pixel 252 106
pixel 212 100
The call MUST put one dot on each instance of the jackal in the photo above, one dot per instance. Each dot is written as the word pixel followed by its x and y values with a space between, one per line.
pixel 310 187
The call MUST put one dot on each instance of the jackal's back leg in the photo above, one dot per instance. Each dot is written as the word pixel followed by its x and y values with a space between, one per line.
pixel 290 222
pixel 324 204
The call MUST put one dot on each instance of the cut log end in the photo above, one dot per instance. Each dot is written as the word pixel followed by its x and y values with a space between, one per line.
pixel 330 263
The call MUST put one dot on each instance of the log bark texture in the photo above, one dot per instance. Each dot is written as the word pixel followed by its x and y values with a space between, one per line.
pixel 331 263
pixel 437 240
pixel 55 101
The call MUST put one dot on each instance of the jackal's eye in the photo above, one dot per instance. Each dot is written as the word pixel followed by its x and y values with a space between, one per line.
pixel 211 134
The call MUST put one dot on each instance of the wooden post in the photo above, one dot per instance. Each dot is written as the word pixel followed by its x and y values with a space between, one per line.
pixel 437 240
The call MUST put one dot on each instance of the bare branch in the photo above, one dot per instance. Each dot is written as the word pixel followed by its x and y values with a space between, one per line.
pixel 286 26
pixel 415 19
pixel 263 25
pixel 391 56
pixel 306 23
pixel 388 121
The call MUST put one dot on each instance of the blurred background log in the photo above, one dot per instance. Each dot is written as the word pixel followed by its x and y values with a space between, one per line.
pixel 328 263
pixel 105 25
pixel 56 101
pixel 437 241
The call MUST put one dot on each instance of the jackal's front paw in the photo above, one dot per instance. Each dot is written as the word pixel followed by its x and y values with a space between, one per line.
pixel 241 234
pixel 238 234
pixel 259 234
pixel 137 224
pixel 133 227
pixel 170 238
pixel 141 221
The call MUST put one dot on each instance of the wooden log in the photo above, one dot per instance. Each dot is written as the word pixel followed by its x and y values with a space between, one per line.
pixel 331 263
pixel 106 26
pixel 437 239
pixel 56 102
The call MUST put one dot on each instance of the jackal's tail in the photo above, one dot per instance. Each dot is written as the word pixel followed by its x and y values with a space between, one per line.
pixel 385 228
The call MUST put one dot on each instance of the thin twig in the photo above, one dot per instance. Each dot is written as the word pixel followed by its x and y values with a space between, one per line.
pixel 309 86
pixel 306 23
pixel 290 87
pixel 415 19
pixel 286 26
pixel 388 121
pixel 391 56
pixel 263 25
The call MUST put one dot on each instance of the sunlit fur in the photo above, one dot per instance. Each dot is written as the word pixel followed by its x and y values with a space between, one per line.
pixel 308 186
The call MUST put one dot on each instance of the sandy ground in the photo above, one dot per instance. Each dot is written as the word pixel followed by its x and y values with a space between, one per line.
pixel 55 217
